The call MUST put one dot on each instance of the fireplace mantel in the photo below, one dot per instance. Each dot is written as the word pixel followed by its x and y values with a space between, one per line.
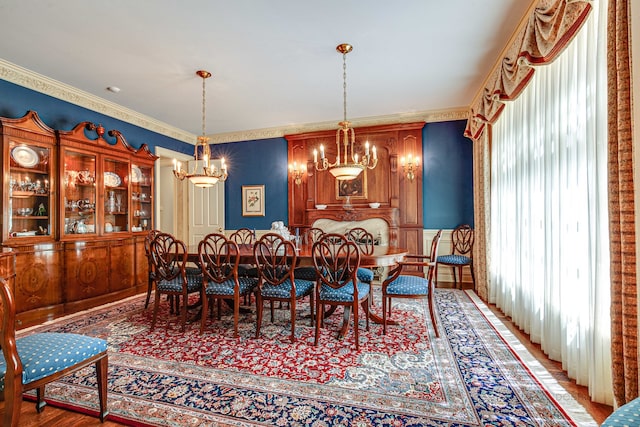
pixel 338 213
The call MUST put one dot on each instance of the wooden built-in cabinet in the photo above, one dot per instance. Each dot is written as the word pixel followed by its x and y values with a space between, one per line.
pixel 400 199
pixel 76 208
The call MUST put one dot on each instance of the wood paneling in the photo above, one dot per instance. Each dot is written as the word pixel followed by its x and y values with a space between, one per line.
pixel 385 183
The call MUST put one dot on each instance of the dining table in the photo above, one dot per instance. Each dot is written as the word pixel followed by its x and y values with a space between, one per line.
pixel 381 256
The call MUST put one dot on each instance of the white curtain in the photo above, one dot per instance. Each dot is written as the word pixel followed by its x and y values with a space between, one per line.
pixel 549 230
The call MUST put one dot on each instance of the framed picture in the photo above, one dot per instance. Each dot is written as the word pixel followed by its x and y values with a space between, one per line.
pixel 355 188
pixel 253 200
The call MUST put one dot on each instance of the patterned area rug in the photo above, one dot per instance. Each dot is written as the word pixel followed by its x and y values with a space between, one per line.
pixel 471 376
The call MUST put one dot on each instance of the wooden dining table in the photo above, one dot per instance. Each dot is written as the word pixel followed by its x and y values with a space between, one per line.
pixel 382 256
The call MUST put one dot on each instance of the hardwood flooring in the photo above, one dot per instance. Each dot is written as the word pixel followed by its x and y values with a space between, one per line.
pixel 52 416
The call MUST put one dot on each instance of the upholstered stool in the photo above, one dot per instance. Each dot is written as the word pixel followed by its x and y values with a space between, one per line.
pixel 627 415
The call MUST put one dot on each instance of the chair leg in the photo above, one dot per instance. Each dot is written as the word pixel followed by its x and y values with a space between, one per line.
pixel 204 312
pixel 259 308
pixel 292 306
pixel 40 403
pixel 183 320
pixel 12 401
pixel 455 278
pixel 385 300
pixel 473 276
pixel 356 327
pixel 156 305
pixel 102 368
pixel 319 320
pixel 433 315
pixel 149 290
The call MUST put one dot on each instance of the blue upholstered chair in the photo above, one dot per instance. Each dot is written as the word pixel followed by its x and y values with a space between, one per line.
pixel 275 258
pixel 147 250
pixel 35 360
pixel 219 259
pixel 626 415
pixel 308 272
pixel 365 242
pixel 336 260
pixel 461 254
pixel 169 259
pixel 398 285
pixel 245 237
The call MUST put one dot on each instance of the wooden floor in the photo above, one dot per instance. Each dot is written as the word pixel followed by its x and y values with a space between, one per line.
pixel 52 416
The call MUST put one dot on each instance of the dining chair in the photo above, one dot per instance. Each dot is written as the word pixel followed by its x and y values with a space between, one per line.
pixel 398 285
pixel 365 242
pixel 169 258
pixel 147 250
pixel 461 255
pixel 336 260
pixel 275 258
pixel 32 361
pixel 219 259
pixel 309 237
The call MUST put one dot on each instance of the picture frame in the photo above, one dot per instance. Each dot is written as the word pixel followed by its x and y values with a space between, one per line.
pixel 253 200
pixel 355 188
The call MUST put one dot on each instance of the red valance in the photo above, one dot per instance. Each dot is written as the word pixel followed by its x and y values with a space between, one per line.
pixel 549 28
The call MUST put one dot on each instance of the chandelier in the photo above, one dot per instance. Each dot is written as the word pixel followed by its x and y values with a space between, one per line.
pixel 348 165
pixel 209 175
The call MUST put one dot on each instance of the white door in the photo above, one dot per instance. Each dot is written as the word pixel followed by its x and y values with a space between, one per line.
pixel 206 210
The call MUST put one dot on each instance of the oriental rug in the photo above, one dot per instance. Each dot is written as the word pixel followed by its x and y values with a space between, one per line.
pixel 475 374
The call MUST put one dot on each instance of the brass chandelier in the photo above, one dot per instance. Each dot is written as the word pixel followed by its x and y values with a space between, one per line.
pixel 348 165
pixel 209 175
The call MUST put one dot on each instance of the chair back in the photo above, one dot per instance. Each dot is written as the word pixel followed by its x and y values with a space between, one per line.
pixel 362 238
pixel 312 235
pixel 435 246
pixel 336 260
pixel 219 258
pixel 151 235
pixel 13 363
pixel 462 240
pixel 275 258
pixel 243 236
pixel 168 257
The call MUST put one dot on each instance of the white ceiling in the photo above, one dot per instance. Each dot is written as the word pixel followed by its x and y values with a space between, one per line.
pixel 274 62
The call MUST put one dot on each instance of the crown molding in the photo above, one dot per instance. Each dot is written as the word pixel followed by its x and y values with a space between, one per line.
pixel 461 113
pixel 21 76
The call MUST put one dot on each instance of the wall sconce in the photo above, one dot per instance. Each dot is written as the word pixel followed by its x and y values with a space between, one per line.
pixel 297 172
pixel 410 165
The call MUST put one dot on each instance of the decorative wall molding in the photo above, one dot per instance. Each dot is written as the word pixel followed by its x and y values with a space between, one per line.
pixel 21 76
pixel 39 83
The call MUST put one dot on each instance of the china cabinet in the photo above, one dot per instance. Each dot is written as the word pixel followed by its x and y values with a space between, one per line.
pixel 76 207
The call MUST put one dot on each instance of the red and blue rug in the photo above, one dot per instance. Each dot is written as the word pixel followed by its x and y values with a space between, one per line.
pixel 471 376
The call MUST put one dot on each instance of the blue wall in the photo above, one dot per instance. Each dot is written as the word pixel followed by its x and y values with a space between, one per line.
pixel 260 162
pixel 16 100
pixel 447 175
pixel 447 160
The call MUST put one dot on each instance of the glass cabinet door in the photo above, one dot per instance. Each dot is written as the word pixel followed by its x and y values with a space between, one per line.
pixel 30 203
pixel 79 190
pixel 141 194
pixel 116 196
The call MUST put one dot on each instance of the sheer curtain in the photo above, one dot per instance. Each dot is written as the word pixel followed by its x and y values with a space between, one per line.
pixel 549 266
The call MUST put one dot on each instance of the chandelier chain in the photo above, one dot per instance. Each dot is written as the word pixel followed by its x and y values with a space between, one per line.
pixel 204 103
pixel 344 84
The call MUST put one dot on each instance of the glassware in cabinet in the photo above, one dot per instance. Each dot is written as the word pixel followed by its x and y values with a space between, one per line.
pixel 30 201
pixel 116 195
pixel 141 197
pixel 79 193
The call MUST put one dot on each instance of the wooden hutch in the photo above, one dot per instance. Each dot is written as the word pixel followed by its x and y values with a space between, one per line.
pixel 76 209
pixel 400 199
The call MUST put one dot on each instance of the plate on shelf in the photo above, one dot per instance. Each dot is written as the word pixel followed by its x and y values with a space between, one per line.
pixel 25 233
pixel 112 179
pixel 136 174
pixel 25 156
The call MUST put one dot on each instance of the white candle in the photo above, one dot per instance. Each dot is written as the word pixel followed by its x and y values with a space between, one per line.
pixel 322 151
pixel 315 156
pixel 355 157
pixel 402 161
pixel 175 164
pixel 417 160
pixel 366 148
pixel 375 153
